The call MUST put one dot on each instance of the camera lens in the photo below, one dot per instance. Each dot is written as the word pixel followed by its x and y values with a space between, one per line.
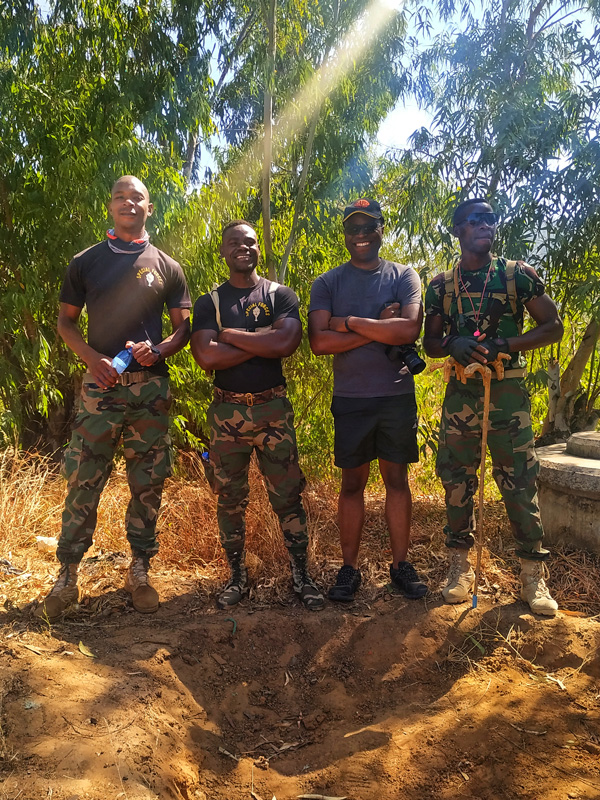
pixel 413 361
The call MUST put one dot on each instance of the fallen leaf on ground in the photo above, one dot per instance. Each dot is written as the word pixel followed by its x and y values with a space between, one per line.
pixel 86 651
pixel 227 753
pixel 35 650
pixel 319 797
pixel 524 730
pixel 556 680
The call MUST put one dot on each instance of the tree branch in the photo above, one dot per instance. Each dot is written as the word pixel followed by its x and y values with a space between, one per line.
pixel 193 137
pixel 268 140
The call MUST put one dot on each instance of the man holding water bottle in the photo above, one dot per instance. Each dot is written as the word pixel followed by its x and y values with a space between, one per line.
pixel 124 282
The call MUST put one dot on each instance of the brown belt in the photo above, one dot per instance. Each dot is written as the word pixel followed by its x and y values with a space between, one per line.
pixel 126 378
pixel 249 398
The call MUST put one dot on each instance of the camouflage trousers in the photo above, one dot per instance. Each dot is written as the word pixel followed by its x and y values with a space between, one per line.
pixel 515 465
pixel 236 431
pixel 138 413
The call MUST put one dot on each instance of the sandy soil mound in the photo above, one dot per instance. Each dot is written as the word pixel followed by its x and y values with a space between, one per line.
pixel 386 699
pixel 381 700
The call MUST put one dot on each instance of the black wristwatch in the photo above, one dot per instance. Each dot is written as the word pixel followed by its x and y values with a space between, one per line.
pixel 156 352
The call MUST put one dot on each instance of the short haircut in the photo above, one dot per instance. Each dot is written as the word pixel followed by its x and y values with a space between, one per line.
pixel 235 223
pixel 129 179
pixel 459 214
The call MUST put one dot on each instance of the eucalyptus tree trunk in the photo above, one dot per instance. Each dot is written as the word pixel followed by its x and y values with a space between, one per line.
pixel 553 391
pixel 268 138
pixel 571 380
pixel 300 197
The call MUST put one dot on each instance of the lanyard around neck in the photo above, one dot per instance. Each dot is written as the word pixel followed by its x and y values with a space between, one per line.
pixel 476 314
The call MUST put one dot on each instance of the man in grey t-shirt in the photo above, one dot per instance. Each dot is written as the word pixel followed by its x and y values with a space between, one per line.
pixel 358 312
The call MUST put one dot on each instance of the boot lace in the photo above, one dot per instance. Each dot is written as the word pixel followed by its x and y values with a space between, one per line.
pixel 62 581
pixel 139 570
pixel 456 568
pixel 346 576
pixel 537 577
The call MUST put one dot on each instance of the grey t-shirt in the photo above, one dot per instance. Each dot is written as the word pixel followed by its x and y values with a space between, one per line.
pixel 348 290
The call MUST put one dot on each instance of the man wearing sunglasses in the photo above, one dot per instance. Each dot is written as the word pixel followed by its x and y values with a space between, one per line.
pixel 473 312
pixel 357 311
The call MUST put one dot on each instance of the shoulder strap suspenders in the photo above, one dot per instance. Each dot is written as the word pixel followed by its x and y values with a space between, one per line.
pixel 448 290
pixel 214 294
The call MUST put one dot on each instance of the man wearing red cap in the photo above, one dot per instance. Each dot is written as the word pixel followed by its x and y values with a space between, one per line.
pixel 361 312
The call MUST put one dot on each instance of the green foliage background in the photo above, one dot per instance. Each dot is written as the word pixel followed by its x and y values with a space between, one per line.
pixel 93 89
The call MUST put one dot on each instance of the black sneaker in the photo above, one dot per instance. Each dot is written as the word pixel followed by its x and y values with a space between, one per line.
pixel 346 584
pixel 405 578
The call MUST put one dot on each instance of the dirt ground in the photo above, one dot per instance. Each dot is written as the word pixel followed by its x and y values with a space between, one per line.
pixel 381 700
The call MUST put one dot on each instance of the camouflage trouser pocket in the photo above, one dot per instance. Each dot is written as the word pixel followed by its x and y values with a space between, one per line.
pixel 70 461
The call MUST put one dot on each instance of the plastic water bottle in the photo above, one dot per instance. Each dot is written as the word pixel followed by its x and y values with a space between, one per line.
pixel 122 360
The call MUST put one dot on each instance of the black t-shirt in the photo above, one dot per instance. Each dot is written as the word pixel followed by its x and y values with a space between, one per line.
pixel 124 294
pixel 247 309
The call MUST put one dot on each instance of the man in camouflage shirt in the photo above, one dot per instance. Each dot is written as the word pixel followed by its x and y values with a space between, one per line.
pixel 473 313
pixel 124 282
pixel 242 330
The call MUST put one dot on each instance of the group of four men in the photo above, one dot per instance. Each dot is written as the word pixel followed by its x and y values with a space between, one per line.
pixel 364 312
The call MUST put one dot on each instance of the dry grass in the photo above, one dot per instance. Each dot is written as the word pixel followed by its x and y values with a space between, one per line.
pixel 32 494
pixel 31 498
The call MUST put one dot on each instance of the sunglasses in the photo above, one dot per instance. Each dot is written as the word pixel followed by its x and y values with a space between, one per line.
pixel 355 230
pixel 481 217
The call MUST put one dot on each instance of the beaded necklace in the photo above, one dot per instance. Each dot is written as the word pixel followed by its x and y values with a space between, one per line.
pixel 476 314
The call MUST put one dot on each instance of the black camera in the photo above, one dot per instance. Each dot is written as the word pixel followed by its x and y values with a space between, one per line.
pixel 407 355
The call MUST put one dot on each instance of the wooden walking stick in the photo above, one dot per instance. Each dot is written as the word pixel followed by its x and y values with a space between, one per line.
pixel 462 374
pixel 486 376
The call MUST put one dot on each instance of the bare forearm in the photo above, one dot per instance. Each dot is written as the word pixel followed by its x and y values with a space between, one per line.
pixel 387 331
pixel 326 343
pixel 218 356
pixel 176 341
pixel 275 343
pixel 433 347
pixel 71 335
pixel 541 336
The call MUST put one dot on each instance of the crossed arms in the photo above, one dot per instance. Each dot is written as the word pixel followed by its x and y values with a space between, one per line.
pixel 328 334
pixel 230 347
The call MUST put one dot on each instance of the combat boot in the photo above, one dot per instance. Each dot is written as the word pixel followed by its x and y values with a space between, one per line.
pixel 143 595
pixel 236 587
pixel 461 577
pixel 307 590
pixel 63 594
pixel 534 590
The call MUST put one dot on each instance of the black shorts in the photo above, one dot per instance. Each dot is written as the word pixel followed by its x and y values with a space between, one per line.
pixel 367 428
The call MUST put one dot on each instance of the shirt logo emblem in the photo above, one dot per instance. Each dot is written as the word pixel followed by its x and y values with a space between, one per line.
pixel 150 277
pixel 255 310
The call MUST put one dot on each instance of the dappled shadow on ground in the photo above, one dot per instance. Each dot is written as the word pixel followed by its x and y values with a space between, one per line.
pixel 384 699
